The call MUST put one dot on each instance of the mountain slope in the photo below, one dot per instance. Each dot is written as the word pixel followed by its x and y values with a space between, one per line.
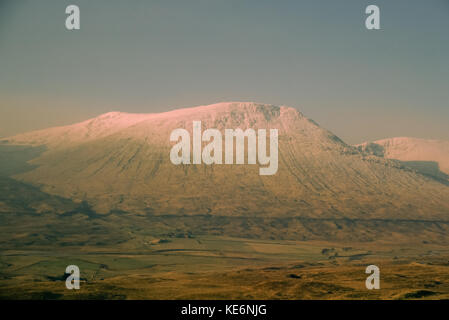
pixel 121 162
pixel 427 156
pixel 92 129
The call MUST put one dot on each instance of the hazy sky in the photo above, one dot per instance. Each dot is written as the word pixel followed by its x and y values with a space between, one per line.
pixel 153 56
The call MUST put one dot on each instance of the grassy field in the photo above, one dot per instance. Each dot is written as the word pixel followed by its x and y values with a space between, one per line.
pixel 212 267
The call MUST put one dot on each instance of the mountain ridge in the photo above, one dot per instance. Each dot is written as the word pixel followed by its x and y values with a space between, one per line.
pixel 127 168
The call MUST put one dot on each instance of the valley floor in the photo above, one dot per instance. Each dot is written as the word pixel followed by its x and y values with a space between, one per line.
pixel 213 267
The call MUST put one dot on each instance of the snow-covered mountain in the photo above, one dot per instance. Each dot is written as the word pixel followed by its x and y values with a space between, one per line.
pixel 120 161
pixel 426 156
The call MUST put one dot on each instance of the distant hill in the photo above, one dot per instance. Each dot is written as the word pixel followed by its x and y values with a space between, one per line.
pixel 430 157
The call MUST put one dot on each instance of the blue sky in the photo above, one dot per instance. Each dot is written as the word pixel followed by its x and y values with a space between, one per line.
pixel 154 56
